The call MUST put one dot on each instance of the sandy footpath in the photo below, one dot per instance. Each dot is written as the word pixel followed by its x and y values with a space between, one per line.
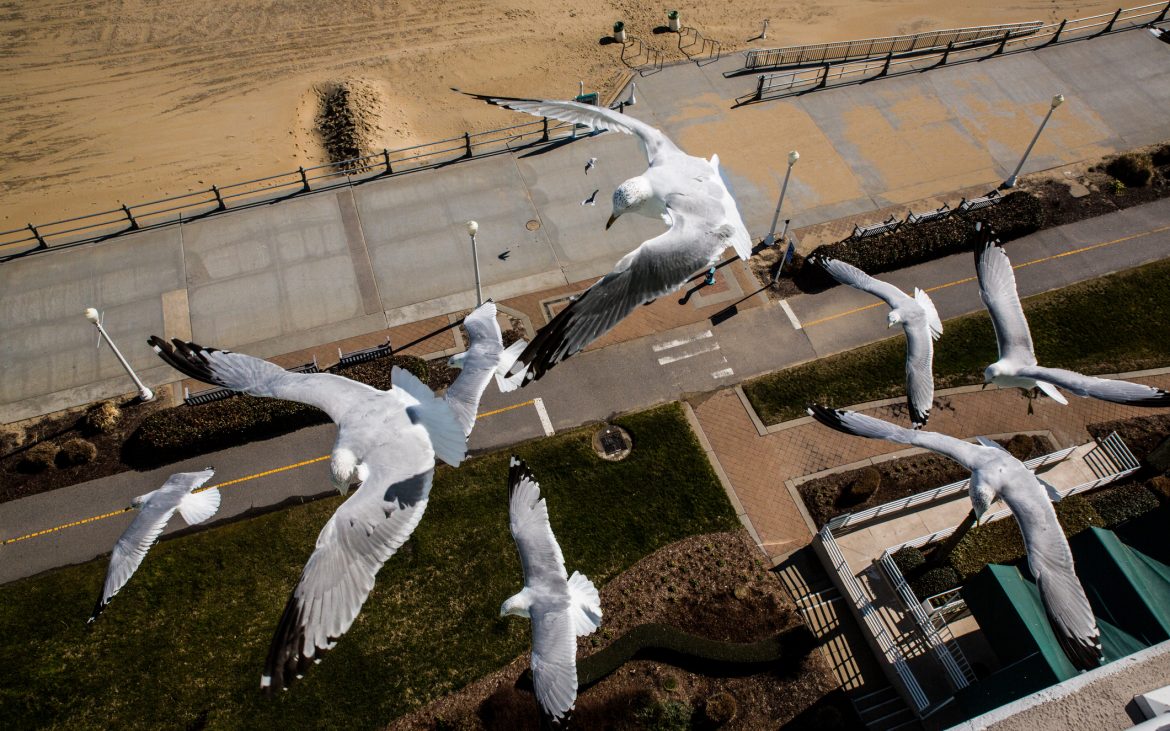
pixel 111 102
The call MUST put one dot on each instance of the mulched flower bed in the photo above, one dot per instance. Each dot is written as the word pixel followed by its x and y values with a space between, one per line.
pixel 850 492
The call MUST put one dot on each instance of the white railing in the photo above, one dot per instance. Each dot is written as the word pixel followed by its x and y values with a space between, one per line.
pixel 890 649
pixel 852 520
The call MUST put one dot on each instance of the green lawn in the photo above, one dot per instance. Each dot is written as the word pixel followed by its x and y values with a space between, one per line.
pixel 185 641
pixel 1099 326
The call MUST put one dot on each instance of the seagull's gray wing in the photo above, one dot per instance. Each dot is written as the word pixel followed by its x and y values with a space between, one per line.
pixel 156 508
pixel 540 555
pixel 919 371
pixel 851 422
pixel 997 289
pixel 1051 563
pixel 846 273
pixel 657 267
pixel 479 364
pixel 335 395
pixel 654 143
pixel 1106 389
pixel 554 656
pixel 364 532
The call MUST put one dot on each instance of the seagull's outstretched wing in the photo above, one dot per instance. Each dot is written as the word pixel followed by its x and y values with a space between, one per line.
pixel 334 395
pixel 479 364
pixel 540 555
pixel 657 267
pixel 1106 389
pixel 919 372
pixel 846 273
pixel 851 422
pixel 997 289
pixel 654 143
pixel 157 507
pixel 1051 563
pixel 364 532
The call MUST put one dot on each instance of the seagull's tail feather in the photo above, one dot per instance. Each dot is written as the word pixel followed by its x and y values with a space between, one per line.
pixel 932 319
pixel 505 382
pixel 199 506
pixel 584 604
pixel 447 436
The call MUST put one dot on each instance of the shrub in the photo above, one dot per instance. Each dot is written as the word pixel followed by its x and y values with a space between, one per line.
pixel 1018 214
pixel 719 709
pixel 1133 169
pixel 670 682
pixel 102 418
pixel 1020 446
pixel 76 452
pixel 1160 486
pixel 1000 542
pixel 935 581
pixel 863 488
pixel 39 457
pixel 11 439
pixel 665 716
pixel 1118 504
pixel 908 560
pixel 1161 156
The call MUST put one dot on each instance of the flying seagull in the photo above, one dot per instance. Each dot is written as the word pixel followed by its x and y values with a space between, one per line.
pixel 997 474
pixel 918 318
pixel 386 439
pixel 592 199
pixel 155 510
pixel 561 607
pixel 687 192
pixel 503 255
pixel 589 164
pixel 1017 357
pixel 486 356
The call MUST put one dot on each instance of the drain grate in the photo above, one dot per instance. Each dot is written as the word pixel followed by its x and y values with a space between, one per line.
pixel 612 442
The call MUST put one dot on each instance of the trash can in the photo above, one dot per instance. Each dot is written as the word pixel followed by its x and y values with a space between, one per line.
pixel 619 32
pixel 672 20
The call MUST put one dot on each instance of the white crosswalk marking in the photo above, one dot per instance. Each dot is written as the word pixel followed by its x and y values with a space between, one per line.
pixel 681 341
pixel 723 373
pixel 791 315
pixel 545 422
pixel 675 358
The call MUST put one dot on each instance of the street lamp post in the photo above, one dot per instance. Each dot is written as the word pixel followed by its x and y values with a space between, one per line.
pixel 1056 102
pixel 472 230
pixel 144 393
pixel 770 239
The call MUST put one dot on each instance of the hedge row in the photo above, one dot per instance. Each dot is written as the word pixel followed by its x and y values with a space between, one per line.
pixel 188 431
pixel 1116 505
pixel 1018 214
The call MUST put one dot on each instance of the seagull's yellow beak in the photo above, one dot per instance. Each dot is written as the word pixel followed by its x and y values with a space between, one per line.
pixel 610 222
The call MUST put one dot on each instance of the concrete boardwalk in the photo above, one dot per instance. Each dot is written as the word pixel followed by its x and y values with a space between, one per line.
pixel 350 262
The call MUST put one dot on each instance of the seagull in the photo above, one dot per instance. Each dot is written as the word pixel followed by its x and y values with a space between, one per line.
pixel 689 195
pixel 561 607
pixel 592 199
pixel 155 509
pixel 503 255
pixel 484 357
pixel 589 164
pixel 1017 357
pixel 997 474
pixel 386 439
pixel 918 318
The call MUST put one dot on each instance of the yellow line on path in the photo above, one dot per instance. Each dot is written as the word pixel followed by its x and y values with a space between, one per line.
pixel 1041 260
pixel 238 480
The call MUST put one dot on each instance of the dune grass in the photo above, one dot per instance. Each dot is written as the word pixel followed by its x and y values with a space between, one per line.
pixel 1112 324
pixel 184 643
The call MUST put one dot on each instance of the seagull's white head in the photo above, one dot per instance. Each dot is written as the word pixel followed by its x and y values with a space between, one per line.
pixel 982 495
pixel 138 502
pixel 630 195
pixel 516 605
pixel 992 372
pixel 341 468
pixel 894 318
pixel 456 361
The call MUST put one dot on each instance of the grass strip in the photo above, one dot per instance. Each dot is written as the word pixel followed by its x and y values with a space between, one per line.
pixel 1099 326
pixel 184 643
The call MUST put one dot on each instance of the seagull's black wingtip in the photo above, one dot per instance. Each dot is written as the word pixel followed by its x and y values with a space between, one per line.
pixel 828 416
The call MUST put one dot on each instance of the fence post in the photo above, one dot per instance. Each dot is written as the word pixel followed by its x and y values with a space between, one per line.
pixel 1002 45
pixel 467 144
pixel 1112 20
pixel 37 235
pixel 544 129
pixel 386 159
pixel 219 204
pixel 304 179
pixel 130 218
pixel 1162 15
pixel 947 54
pixel 1060 30
pixel 824 76
pixel 886 67
pixel 760 88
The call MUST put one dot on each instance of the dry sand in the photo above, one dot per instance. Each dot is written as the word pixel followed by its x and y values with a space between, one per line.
pixel 110 103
